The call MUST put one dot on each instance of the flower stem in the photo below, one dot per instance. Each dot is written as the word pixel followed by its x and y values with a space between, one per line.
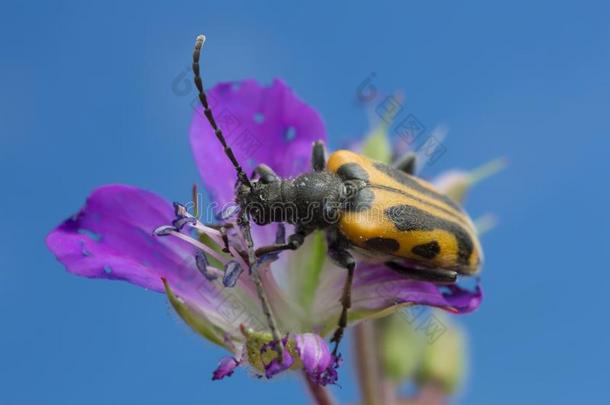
pixel 319 394
pixel 429 394
pixel 388 390
pixel 367 366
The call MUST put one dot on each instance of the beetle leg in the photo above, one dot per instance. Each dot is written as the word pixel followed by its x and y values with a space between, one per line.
pixel 344 259
pixel 338 251
pixel 266 174
pixel 280 233
pixel 222 228
pixel 318 156
pixel 407 163
pixel 437 276
pixel 294 242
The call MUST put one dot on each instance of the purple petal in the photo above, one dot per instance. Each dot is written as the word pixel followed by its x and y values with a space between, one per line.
pixel 313 351
pixel 276 366
pixel 262 124
pixel 112 237
pixel 329 375
pixel 225 368
pixel 377 288
pixel 319 364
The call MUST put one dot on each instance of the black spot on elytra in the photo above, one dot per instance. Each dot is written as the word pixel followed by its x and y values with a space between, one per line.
pixel 408 218
pixel 427 250
pixel 362 200
pixel 410 182
pixel 352 171
pixel 359 200
pixel 384 245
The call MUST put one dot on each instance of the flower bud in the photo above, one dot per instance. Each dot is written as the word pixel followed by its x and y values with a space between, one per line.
pixel 400 347
pixel 443 360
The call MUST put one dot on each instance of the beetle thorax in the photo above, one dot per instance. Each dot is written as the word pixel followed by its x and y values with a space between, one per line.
pixel 312 200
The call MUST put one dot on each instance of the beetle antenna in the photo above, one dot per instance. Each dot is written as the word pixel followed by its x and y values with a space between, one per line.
pixel 244 218
pixel 241 175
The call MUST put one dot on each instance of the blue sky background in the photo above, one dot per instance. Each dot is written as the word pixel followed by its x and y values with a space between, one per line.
pixel 86 99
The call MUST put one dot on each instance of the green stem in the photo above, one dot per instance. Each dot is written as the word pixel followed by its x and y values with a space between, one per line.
pixel 388 386
pixel 367 367
pixel 429 394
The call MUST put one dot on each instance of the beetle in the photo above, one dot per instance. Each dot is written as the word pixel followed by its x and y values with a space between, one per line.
pixel 380 212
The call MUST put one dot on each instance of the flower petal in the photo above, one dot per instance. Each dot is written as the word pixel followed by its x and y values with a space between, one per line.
pixel 377 288
pixel 262 124
pixel 196 319
pixel 378 291
pixel 276 366
pixel 319 364
pixel 226 367
pixel 112 237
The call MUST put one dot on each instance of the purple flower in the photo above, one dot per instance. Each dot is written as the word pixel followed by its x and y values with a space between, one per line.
pixel 131 234
pixel 319 364
pixel 262 124
pixel 225 368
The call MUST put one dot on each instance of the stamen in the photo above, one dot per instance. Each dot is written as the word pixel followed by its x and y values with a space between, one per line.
pixel 207 230
pixel 181 211
pixel 203 266
pixel 184 218
pixel 232 273
pixel 164 230
pixel 179 223
pixel 199 245
pixel 237 255
pixel 229 211
pixel 195 197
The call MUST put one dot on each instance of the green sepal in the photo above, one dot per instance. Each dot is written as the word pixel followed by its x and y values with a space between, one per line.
pixel 193 318
pixel 206 240
pixel 309 261
pixel 377 144
pixel 257 358
pixel 400 347
pixel 444 360
pixel 467 180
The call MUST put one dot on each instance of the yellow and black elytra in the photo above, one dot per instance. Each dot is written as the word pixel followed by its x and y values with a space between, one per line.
pixel 363 206
pixel 405 217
